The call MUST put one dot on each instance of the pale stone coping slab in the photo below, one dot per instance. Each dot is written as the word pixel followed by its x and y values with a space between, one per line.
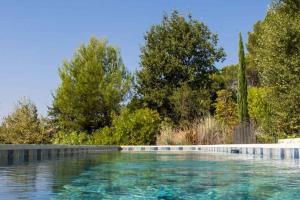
pixel 23 153
pixel 53 146
pixel 14 154
pixel 272 151
pixel 289 141
pixel 277 146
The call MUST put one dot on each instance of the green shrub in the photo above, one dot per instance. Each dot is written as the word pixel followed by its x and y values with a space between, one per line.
pixel 258 105
pixel 129 128
pixel 136 127
pixel 103 136
pixel 226 113
pixel 260 109
pixel 73 138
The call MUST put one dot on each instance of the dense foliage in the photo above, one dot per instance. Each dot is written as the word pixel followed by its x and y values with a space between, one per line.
pixel 179 55
pixel 226 108
pixel 276 54
pixel 93 85
pixel 260 112
pixel 130 127
pixel 179 96
pixel 190 104
pixel 74 138
pixel 24 126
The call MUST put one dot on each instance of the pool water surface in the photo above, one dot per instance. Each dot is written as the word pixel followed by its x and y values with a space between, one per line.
pixel 163 176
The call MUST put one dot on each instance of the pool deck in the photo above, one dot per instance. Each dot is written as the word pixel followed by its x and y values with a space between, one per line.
pixel 25 153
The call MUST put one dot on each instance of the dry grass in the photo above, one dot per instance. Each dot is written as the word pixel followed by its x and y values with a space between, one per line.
pixel 206 131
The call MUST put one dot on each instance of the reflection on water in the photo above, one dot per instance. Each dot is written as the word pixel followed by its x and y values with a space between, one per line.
pixel 152 176
pixel 43 179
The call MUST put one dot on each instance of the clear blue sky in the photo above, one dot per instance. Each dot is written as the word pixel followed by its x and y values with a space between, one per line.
pixel 35 35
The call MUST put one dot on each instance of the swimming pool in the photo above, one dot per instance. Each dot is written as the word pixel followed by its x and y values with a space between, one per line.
pixel 165 176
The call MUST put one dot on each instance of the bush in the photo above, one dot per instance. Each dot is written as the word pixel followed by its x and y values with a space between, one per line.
pixel 226 113
pixel 129 128
pixel 258 104
pixel 138 127
pixel 103 136
pixel 205 131
pixel 73 138
pixel 260 109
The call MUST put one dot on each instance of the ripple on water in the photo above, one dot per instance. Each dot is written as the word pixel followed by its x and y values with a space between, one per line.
pixel 130 176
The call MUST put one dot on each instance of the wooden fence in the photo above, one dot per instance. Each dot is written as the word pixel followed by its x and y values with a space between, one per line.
pixel 244 133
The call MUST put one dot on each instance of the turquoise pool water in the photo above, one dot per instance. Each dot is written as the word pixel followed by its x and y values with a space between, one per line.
pixel 152 176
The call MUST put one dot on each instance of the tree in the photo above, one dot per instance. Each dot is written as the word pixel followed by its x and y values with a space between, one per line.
pixel 94 83
pixel 251 68
pixel 242 84
pixel 23 126
pixel 190 104
pixel 277 57
pixel 226 78
pixel 178 51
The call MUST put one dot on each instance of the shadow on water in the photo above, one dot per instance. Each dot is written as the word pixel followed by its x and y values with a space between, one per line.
pixel 21 180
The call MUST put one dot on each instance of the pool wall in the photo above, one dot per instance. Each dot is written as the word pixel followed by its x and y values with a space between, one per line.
pixel 13 154
pixel 273 151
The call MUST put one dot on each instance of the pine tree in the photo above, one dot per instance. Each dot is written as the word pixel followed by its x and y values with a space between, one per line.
pixel 94 83
pixel 242 84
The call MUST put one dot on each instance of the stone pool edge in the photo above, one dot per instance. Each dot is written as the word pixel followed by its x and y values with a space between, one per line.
pixel 28 152
pixel 272 151
pixel 19 153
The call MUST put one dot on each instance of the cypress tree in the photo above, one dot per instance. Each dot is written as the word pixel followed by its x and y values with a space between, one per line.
pixel 242 84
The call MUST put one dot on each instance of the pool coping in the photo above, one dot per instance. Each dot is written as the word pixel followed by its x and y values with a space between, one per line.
pixel 19 153
pixel 272 151
pixel 55 146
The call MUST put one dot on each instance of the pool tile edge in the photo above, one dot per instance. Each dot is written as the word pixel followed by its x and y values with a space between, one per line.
pixel 272 151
